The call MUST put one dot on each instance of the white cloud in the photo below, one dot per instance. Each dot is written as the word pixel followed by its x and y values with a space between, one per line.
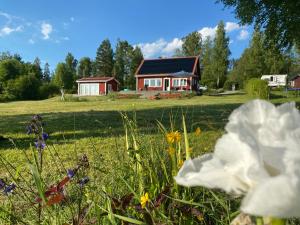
pixel 6 30
pixel 231 26
pixel 31 41
pixel 171 47
pixel 72 19
pixel 46 30
pixel 161 47
pixel 243 35
pixel 208 32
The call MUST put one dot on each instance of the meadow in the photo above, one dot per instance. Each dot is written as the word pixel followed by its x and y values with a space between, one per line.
pixel 129 156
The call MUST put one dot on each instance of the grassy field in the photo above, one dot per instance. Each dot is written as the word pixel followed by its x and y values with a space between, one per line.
pixel 95 126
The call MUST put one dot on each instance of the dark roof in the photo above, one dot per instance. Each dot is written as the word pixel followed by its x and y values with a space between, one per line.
pixel 167 66
pixel 295 77
pixel 96 79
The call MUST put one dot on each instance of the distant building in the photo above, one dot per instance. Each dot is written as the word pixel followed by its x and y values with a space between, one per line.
pixel 275 80
pixel 295 82
pixel 93 86
pixel 168 74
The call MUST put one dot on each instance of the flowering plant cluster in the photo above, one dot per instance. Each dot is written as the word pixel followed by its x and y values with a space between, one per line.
pixel 258 157
pixel 36 127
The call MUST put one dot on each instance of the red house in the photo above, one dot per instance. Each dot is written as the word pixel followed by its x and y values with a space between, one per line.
pixel 295 82
pixel 168 74
pixel 96 85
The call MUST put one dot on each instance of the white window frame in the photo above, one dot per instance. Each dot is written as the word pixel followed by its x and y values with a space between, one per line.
pixel 156 82
pixel 179 82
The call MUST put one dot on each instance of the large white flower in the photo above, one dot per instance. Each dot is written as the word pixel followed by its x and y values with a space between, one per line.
pixel 258 157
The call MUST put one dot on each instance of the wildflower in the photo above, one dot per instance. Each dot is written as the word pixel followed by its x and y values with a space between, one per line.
pixel 83 181
pixel 144 200
pixel 2 184
pixel 9 189
pixel 40 144
pixel 198 131
pixel 37 118
pixel 171 151
pixel 45 136
pixel 259 157
pixel 173 137
pixel 180 163
pixel 70 173
pixel 29 129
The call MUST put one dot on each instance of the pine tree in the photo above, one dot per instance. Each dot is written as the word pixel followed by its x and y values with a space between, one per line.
pixel 192 44
pixel 220 56
pixel 84 67
pixel 104 59
pixel 46 73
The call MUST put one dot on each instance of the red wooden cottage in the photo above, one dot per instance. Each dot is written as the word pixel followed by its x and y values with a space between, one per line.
pixel 295 82
pixel 168 74
pixel 97 85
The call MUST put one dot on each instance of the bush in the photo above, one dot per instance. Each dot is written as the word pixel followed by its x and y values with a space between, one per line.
pixel 257 88
pixel 27 87
pixel 48 90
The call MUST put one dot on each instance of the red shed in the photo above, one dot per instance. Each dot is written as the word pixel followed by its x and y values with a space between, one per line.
pixel 165 74
pixel 295 82
pixel 97 85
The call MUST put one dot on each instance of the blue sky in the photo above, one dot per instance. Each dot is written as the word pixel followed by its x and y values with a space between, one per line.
pixel 51 29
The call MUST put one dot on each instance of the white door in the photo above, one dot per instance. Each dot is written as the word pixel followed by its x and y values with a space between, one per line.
pixel 89 89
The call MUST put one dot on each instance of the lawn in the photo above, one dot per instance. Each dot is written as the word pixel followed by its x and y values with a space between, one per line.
pixel 96 127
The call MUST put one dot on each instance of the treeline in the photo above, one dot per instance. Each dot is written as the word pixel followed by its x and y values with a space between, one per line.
pixel 120 63
pixel 21 80
pixel 24 80
pixel 261 57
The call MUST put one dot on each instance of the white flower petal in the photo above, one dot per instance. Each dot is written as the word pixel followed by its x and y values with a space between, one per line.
pixel 276 197
pixel 208 172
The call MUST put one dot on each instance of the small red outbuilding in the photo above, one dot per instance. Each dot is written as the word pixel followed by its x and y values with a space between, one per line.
pixel 97 86
pixel 295 82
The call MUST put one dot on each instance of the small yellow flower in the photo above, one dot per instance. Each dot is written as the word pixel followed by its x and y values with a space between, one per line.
pixel 198 131
pixel 144 200
pixel 173 137
pixel 180 163
pixel 171 151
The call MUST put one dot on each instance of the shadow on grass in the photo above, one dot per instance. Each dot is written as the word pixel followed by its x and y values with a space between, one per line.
pixel 70 126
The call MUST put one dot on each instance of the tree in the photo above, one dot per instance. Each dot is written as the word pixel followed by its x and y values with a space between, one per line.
pixel 46 73
pixel 206 63
pixel 27 87
pixel 280 19
pixel 63 76
pixel 122 66
pixel 10 69
pixel 71 63
pixel 84 67
pixel 104 59
pixel 192 44
pixel 136 59
pixel 220 56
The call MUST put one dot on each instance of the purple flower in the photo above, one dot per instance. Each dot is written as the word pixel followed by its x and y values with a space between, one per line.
pixel 70 173
pixel 9 189
pixel 83 181
pixel 2 184
pixel 40 144
pixel 45 136
pixel 28 129
pixel 37 117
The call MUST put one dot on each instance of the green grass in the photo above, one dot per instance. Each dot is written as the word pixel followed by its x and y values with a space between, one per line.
pixel 94 126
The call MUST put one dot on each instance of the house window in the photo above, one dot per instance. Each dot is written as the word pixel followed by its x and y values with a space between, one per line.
pixel 152 82
pixel 177 82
